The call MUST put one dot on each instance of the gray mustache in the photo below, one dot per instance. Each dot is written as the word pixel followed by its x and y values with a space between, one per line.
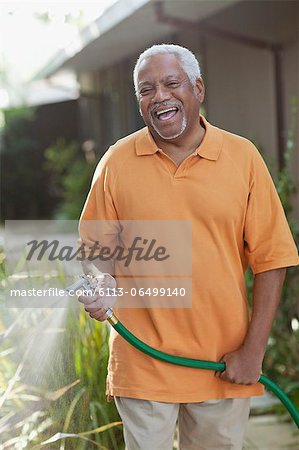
pixel 165 105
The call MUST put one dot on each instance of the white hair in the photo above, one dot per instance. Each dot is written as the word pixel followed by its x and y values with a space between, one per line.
pixel 189 62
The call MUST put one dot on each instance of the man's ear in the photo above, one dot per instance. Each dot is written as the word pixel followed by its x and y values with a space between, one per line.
pixel 199 90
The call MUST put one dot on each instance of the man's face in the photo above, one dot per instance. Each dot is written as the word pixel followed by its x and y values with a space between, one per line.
pixel 168 102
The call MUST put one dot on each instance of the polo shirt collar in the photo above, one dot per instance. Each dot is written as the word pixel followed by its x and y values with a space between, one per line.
pixel 211 145
pixel 209 148
pixel 144 143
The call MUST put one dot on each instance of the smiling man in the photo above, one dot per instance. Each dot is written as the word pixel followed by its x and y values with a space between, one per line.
pixel 180 167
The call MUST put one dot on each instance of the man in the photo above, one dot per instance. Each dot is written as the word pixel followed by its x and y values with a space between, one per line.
pixel 180 167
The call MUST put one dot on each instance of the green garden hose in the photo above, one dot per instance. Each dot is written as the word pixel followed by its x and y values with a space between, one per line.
pixel 197 363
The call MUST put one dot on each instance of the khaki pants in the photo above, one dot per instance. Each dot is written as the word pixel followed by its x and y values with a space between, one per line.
pixel 213 425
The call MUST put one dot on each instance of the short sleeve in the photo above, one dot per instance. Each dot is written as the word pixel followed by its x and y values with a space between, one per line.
pixel 98 223
pixel 267 237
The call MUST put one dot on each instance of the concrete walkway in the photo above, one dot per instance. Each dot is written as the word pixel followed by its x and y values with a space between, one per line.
pixel 269 432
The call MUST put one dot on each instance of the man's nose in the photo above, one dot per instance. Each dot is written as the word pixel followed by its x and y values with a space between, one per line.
pixel 161 93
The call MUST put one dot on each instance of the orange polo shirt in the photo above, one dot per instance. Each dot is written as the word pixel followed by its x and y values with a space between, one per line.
pixel 225 189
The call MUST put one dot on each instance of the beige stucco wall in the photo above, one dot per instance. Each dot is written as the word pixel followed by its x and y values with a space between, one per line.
pixel 241 92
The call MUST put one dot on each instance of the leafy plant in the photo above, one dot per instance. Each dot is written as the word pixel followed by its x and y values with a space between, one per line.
pixel 70 176
pixel 282 358
pixel 52 380
pixel 24 186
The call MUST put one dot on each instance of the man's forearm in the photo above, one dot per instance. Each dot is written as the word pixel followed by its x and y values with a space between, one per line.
pixel 266 297
pixel 244 365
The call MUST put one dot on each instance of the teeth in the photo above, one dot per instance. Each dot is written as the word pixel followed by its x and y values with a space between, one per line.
pixel 165 110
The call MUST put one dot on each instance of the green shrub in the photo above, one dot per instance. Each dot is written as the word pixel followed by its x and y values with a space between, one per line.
pixel 70 177
pixel 52 380
pixel 282 358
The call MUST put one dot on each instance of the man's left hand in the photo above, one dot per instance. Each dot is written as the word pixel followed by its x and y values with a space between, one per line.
pixel 242 367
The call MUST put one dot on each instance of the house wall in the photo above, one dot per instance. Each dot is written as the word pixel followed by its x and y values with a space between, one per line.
pixel 241 95
pixel 108 106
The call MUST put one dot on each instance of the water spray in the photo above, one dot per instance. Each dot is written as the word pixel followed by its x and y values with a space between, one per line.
pixel 88 283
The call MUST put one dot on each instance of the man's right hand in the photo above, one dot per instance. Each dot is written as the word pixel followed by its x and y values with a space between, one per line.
pixel 97 305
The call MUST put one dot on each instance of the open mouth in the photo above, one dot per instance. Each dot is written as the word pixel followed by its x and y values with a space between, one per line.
pixel 167 113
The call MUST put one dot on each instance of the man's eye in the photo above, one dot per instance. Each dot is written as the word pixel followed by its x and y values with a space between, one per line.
pixel 173 84
pixel 145 91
